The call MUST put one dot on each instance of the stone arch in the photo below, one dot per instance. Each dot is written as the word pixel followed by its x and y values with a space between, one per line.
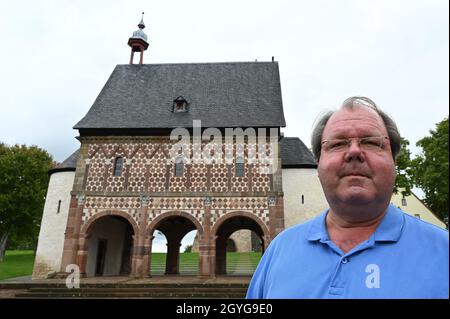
pixel 91 237
pixel 174 238
pixel 90 222
pixel 251 216
pixel 224 227
pixel 152 226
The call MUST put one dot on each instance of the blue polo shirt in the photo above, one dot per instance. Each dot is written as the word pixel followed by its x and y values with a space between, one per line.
pixel 404 258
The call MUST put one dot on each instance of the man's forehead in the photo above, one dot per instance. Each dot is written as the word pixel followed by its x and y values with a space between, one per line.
pixel 355 115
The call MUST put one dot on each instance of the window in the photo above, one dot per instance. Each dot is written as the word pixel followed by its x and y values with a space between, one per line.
pixel 180 105
pixel 240 168
pixel 303 199
pixel 118 163
pixel 179 167
pixel 59 207
pixel 404 203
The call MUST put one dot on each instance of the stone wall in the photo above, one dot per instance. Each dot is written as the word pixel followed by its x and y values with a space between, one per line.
pixel 53 225
pixel 303 195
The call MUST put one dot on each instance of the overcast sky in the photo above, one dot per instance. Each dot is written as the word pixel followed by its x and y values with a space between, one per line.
pixel 57 55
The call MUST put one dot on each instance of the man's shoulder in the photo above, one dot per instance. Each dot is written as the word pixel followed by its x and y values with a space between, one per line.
pixel 301 230
pixel 418 226
pixel 424 225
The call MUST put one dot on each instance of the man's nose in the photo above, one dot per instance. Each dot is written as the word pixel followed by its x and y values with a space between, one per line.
pixel 354 152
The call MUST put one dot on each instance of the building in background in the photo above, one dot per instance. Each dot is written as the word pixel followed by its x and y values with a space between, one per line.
pixel 105 202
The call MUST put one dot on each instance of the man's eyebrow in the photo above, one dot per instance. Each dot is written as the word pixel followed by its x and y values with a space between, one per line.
pixel 344 135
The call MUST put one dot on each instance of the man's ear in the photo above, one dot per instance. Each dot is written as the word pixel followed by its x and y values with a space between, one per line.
pixel 317 162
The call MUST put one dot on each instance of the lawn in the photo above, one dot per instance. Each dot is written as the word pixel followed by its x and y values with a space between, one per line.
pixel 17 263
pixel 20 263
pixel 237 263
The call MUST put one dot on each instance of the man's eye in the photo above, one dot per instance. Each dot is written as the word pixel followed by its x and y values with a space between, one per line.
pixel 338 144
pixel 370 142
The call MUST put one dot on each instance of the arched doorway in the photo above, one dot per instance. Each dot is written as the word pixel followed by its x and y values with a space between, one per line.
pixel 174 227
pixel 231 246
pixel 109 242
pixel 241 261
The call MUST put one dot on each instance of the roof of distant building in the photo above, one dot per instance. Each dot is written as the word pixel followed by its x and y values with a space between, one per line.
pixel 69 164
pixel 295 154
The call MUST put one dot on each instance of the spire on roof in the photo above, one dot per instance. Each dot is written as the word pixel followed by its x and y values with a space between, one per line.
pixel 138 41
pixel 141 24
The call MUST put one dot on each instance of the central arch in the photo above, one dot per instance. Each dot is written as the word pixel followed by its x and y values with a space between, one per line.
pixel 174 225
pixel 229 224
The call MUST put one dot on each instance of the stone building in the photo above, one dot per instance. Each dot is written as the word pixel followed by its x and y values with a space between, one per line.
pixel 125 181
pixel 128 179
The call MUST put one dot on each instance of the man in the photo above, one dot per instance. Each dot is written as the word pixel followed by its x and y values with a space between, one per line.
pixel 362 246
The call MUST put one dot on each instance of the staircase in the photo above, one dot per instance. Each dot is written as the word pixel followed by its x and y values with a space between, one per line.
pixel 155 290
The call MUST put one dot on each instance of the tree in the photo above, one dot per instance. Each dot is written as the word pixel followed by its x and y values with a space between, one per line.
pixel 23 185
pixel 431 169
pixel 404 180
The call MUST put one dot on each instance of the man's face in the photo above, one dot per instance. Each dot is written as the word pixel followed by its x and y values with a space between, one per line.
pixel 354 176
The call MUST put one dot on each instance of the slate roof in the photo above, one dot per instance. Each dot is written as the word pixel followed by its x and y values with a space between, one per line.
pixel 235 94
pixel 71 161
pixel 69 164
pixel 295 154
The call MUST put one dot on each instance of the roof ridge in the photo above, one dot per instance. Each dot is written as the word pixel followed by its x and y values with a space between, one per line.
pixel 199 63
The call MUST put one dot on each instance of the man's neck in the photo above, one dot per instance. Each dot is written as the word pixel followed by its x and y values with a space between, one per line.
pixel 348 233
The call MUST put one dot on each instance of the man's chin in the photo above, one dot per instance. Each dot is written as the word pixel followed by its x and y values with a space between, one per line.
pixel 357 196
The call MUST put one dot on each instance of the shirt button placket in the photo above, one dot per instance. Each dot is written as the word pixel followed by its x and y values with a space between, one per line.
pixel 337 287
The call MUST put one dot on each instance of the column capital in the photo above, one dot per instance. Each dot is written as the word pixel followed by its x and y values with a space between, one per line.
pixel 81 198
pixel 145 200
pixel 207 200
pixel 271 200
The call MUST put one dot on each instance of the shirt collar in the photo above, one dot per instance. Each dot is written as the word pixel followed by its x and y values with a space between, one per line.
pixel 318 228
pixel 389 229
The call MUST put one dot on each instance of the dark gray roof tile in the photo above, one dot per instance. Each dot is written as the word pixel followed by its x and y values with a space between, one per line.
pixel 71 161
pixel 238 94
pixel 295 154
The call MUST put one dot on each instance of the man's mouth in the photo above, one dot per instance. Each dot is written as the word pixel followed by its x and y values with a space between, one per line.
pixel 355 174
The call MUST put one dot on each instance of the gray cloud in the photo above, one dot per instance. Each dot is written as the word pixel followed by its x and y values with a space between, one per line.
pixel 57 55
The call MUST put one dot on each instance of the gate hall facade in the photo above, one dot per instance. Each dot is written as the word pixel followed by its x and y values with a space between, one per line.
pixel 124 183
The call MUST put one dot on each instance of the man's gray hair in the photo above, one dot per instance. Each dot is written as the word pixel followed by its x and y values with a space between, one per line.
pixel 351 103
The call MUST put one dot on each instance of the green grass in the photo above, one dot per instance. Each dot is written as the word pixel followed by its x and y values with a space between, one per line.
pixel 20 263
pixel 237 263
pixel 188 263
pixel 17 263
pixel 242 263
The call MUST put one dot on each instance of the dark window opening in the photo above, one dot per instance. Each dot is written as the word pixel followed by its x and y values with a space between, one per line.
pixel 303 199
pixel 180 105
pixel 240 167
pixel 404 203
pixel 59 207
pixel 118 163
pixel 179 167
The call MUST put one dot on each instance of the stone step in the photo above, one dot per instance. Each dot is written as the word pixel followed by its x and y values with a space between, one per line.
pixel 132 296
pixel 139 289
pixel 183 292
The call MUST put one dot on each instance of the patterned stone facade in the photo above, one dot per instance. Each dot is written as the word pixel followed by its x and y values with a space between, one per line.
pixel 147 191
